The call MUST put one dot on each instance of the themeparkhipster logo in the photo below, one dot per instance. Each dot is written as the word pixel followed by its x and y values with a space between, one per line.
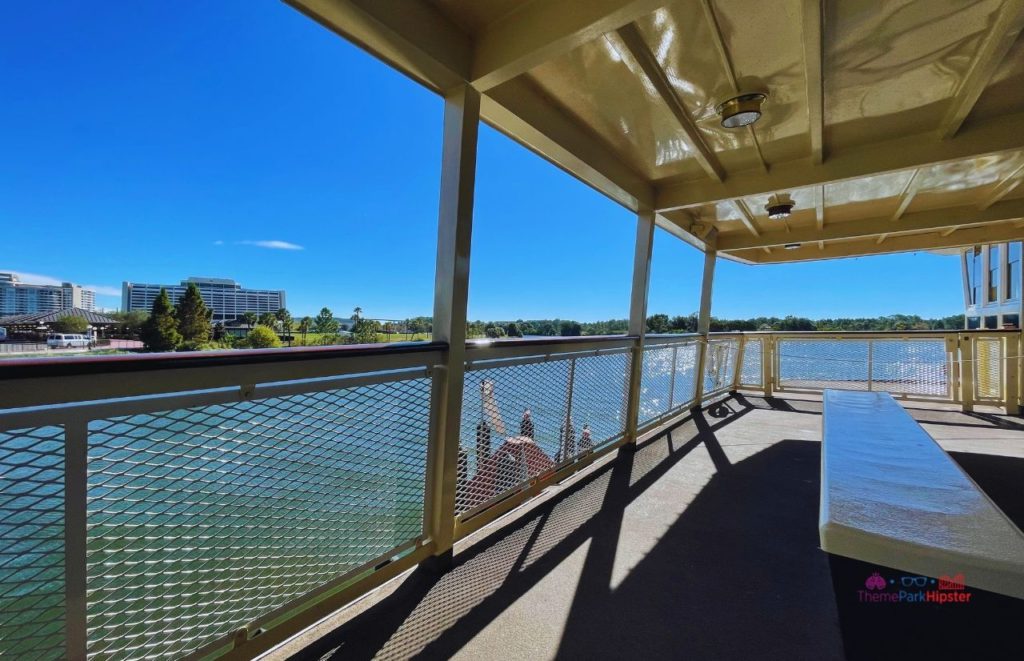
pixel 911 589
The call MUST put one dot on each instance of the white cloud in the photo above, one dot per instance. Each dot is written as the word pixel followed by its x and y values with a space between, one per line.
pixel 39 279
pixel 218 243
pixel 273 245
pixel 104 290
pixel 34 278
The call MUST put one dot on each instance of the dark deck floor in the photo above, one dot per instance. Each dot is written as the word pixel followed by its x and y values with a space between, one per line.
pixel 702 544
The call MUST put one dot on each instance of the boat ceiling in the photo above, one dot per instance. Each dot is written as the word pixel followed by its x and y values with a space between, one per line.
pixel 894 126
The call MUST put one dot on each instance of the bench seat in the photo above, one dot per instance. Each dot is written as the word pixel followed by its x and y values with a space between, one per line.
pixel 891 496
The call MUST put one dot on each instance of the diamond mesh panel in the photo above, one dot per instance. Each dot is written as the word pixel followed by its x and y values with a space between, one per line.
pixel 720 365
pixel 750 371
pixel 32 543
pixel 913 367
pixel 685 389
pixel 987 372
pixel 656 382
pixel 819 364
pixel 668 380
pixel 203 519
pixel 520 420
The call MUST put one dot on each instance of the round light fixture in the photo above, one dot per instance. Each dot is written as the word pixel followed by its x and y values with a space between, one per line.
pixel 779 206
pixel 742 110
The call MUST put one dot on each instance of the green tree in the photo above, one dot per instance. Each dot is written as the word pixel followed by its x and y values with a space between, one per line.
pixel 364 331
pixel 193 316
pixel 658 323
pixel 250 319
pixel 325 323
pixel 304 327
pixel 494 332
pixel 160 332
pixel 71 324
pixel 357 313
pixel 129 324
pixel 513 330
pixel 285 318
pixel 570 329
pixel 268 319
pixel 262 337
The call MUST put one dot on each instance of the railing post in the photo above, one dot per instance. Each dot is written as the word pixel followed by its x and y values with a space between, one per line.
pixel 672 380
pixel 966 372
pixel 871 361
pixel 704 321
pixel 768 369
pixel 741 345
pixel 76 457
pixel 1011 352
pixel 638 316
pixel 451 291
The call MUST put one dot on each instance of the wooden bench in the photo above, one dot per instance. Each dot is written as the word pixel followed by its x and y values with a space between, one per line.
pixel 891 496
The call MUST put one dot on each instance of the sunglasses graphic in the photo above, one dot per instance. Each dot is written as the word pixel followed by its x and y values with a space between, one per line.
pixel 914 581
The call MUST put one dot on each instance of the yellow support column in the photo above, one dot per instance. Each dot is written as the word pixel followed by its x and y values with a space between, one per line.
pixel 451 291
pixel 638 316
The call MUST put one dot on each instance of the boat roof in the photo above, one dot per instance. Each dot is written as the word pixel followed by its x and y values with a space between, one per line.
pixel 893 126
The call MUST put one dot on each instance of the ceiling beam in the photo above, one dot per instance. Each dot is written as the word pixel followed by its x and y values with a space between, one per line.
pixel 912 151
pixel 812 39
pixel 1003 188
pixel 935 219
pixel 641 52
pixel 537 32
pixel 730 71
pixel 907 195
pixel 410 35
pixel 521 111
pixel 746 216
pixel 998 41
pixel 912 243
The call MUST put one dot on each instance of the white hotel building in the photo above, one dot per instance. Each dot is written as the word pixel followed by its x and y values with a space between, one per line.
pixel 226 298
pixel 17 297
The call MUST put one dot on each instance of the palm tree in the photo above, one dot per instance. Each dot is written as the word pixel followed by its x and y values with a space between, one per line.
pixel 357 313
pixel 250 319
pixel 304 327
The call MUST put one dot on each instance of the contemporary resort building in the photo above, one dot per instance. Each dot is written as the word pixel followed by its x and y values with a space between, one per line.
pixel 17 297
pixel 228 299
pixel 992 285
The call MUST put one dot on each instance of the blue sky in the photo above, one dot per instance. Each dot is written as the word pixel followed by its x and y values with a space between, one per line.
pixel 156 140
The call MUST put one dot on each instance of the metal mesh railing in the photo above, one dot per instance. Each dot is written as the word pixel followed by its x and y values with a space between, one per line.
pixel 751 370
pixel 909 366
pixel 203 519
pixel 988 364
pixel 522 418
pixel 720 365
pixel 668 379
pixel 32 548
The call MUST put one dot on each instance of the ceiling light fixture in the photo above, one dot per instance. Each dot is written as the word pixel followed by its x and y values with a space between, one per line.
pixel 742 110
pixel 791 246
pixel 780 205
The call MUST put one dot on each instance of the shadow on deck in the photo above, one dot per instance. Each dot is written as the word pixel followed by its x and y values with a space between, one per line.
pixel 702 544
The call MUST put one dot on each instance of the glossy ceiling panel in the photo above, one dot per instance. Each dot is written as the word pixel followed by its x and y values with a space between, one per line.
pixel 891 67
pixel 683 41
pixel 1005 92
pixel 765 44
pixel 603 86
pixel 964 182
pixel 473 15
pixel 869 197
